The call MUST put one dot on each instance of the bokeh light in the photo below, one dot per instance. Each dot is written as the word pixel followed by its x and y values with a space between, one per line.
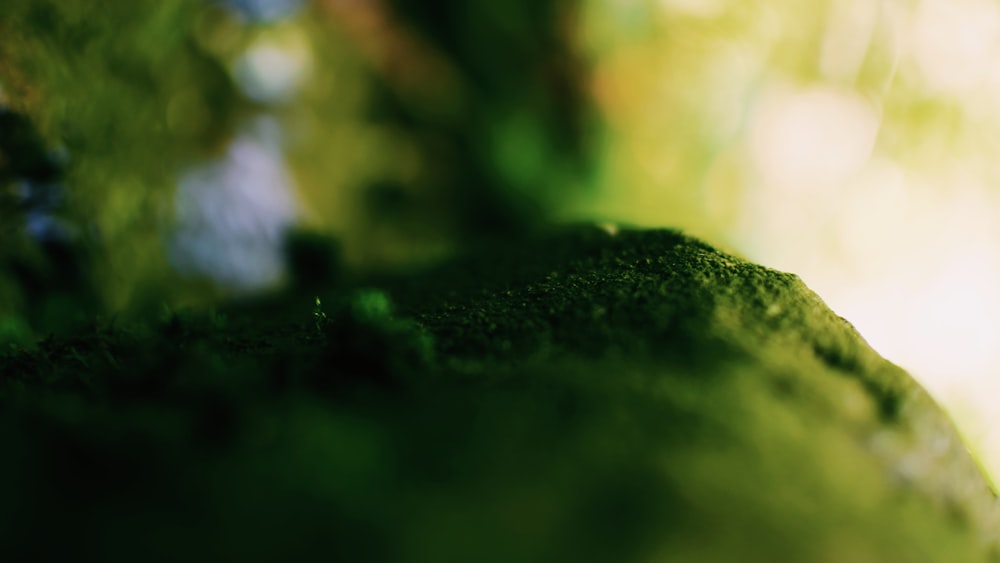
pixel 232 213
pixel 273 67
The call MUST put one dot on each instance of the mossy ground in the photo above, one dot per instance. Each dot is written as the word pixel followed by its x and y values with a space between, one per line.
pixel 574 396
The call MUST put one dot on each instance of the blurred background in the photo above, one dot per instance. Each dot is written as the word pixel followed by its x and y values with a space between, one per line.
pixel 157 153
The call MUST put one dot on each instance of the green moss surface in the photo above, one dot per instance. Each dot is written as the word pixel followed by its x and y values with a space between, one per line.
pixel 571 396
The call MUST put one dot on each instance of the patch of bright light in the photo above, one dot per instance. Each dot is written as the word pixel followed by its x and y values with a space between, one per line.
pixel 274 66
pixel 731 74
pixel 876 209
pixel 952 38
pixel 813 138
pixel 850 30
pixel 956 312
pixel 231 214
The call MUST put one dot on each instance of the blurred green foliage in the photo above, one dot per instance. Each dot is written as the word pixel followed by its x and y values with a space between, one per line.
pixel 523 125
pixel 99 82
pixel 443 124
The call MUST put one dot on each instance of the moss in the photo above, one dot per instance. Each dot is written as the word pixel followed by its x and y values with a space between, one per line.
pixel 571 396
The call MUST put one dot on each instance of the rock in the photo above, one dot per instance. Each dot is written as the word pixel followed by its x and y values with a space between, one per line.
pixel 573 396
pixel 673 401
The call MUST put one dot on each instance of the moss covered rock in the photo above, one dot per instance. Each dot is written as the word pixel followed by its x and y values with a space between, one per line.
pixel 574 396
pixel 771 430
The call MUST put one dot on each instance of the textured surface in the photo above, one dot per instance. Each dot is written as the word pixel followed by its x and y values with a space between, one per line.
pixel 577 396
pixel 817 446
